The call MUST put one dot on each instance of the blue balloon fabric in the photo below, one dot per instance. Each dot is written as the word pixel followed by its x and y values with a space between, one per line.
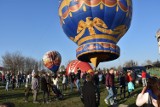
pixel 96 26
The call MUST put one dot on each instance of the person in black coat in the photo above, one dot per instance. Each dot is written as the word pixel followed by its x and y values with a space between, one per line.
pixel 44 88
pixel 13 82
pixel 122 82
pixel 90 95
pixel 72 78
pixel 96 80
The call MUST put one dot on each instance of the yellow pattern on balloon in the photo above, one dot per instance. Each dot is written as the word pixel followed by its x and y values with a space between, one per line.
pixel 82 26
pixel 90 25
pixel 122 29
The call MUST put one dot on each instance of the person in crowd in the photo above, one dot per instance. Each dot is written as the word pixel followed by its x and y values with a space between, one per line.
pixel 10 76
pixel 133 75
pixel 17 80
pixel 144 80
pixel 122 83
pixel 27 92
pixel 103 77
pixel 28 79
pixel 35 86
pixel 3 77
pixel 96 80
pixel 84 77
pixel 64 82
pixel 118 73
pixel 49 82
pixel 55 81
pixel 23 78
pixel 13 82
pixel 150 94
pixel 90 98
pixel 77 79
pixel 44 88
pixel 20 79
pixel 100 76
pixel 72 78
pixel 67 81
pixel 130 83
pixel 7 76
pixel 110 87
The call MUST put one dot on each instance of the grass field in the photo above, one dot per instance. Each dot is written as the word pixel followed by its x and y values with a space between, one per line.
pixel 70 99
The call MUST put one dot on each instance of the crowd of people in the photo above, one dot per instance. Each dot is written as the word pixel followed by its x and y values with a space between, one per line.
pixel 16 81
pixel 87 86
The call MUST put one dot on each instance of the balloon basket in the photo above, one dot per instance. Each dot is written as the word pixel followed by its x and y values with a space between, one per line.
pixel 97 52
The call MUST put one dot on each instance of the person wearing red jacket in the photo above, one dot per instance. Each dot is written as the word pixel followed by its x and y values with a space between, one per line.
pixel 129 77
pixel 144 81
pixel 130 83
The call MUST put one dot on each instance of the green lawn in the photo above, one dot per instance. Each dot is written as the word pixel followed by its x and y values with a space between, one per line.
pixel 71 100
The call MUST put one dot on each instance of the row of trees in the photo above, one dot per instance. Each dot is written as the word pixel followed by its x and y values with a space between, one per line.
pixel 132 63
pixel 148 63
pixel 153 64
pixel 19 63
pixel 16 62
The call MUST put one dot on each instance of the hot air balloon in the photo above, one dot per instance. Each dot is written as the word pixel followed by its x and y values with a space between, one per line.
pixel 52 60
pixel 95 26
pixel 158 39
pixel 74 64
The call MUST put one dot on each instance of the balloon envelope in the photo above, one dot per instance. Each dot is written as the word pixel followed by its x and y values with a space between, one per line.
pixel 73 65
pixel 52 60
pixel 95 26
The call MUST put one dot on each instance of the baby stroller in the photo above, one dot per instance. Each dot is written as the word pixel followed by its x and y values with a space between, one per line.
pixel 57 92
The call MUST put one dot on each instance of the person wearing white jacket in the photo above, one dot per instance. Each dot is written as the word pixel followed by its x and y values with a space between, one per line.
pixel 64 82
pixel 55 81
pixel 149 94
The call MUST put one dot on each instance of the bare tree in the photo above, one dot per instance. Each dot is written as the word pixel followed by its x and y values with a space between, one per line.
pixel 119 68
pixel 130 63
pixel 41 67
pixel 19 61
pixel 156 63
pixel 16 62
pixel 13 61
pixel 148 62
pixel 30 64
